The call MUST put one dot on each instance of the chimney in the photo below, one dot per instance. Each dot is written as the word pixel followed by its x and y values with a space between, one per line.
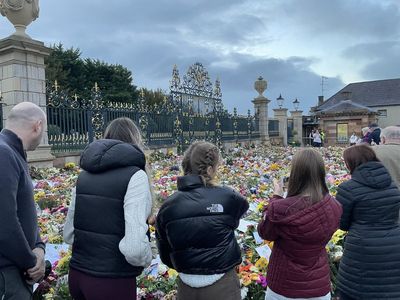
pixel 320 100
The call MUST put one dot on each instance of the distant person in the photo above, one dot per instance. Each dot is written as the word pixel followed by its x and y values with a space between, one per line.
pixel 322 133
pixel 369 268
pixel 301 225
pixel 311 137
pixel 375 136
pixel 353 139
pixel 21 249
pixel 317 141
pixel 107 219
pixel 195 229
pixel 388 151
pixel 366 132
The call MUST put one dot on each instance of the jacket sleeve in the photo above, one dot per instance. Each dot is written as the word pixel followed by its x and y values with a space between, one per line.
pixel 68 232
pixel 266 228
pixel 345 198
pixel 163 245
pixel 244 205
pixel 14 247
pixel 135 245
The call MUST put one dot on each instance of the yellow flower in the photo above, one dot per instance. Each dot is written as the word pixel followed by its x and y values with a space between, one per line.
pixel 274 167
pixel 39 195
pixel 262 264
pixel 172 273
pixel 69 165
pixel 337 236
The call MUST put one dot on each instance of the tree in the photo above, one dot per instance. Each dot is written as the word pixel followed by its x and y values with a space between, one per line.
pixel 115 81
pixel 79 75
pixel 154 96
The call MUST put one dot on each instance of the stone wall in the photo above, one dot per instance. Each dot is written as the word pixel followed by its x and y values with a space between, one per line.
pixel 355 123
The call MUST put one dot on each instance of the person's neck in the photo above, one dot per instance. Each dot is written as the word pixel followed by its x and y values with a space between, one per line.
pixel 21 135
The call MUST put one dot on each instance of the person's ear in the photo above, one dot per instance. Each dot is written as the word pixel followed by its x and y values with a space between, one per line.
pixel 38 126
pixel 210 171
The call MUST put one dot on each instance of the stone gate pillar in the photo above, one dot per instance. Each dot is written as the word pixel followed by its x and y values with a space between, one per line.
pixel 281 115
pixel 261 109
pixel 297 116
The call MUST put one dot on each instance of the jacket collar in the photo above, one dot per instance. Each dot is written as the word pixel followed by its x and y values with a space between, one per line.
pixel 189 182
pixel 14 141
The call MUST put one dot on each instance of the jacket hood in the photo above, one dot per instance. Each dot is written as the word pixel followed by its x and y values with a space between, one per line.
pixel 299 220
pixel 107 154
pixel 372 174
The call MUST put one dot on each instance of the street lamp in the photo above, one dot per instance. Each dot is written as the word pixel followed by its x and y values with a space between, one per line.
pixel 296 104
pixel 280 101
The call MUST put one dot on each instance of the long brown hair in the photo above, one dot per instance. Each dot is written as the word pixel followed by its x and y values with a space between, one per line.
pixel 198 158
pixel 357 155
pixel 125 130
pixel 307 175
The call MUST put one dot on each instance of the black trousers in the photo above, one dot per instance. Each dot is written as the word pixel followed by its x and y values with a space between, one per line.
pixel 343 296
pixel 13 286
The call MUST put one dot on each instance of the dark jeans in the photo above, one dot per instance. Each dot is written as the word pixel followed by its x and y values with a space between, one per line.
pixel 13 286
pixel 87 287
pixel 343 296
pixel 227 288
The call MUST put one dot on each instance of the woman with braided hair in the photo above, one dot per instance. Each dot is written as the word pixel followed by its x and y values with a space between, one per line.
pixel 195 229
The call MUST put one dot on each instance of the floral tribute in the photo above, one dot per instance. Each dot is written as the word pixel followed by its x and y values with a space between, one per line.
pixel 249 170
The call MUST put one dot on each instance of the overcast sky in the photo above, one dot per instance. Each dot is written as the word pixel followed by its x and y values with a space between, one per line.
pixel 291 43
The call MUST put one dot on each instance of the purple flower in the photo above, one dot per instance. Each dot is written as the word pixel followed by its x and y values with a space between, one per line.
pixel 262 280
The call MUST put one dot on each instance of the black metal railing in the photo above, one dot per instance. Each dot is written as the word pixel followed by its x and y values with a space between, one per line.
pixel 74 122
pixel 1 115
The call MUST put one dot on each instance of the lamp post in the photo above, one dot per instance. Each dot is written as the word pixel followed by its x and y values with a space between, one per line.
pixel 280 101
pixel 296 104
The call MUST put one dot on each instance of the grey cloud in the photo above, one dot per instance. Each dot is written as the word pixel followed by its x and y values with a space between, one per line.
pixel 382 60
pixel 345 17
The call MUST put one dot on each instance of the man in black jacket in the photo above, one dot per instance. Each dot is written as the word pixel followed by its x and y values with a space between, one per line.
pixel 21 249
pixel 375 135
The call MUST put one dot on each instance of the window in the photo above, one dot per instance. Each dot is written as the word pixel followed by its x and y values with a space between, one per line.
pixel 382 112
pixel 342 132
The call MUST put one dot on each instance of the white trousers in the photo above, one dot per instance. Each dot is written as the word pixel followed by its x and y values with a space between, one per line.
pixel 271 295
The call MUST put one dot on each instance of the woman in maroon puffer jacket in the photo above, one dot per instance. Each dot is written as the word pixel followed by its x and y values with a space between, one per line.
pixel 300 226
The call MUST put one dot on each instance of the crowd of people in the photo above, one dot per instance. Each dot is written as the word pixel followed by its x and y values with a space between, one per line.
pixel 112 207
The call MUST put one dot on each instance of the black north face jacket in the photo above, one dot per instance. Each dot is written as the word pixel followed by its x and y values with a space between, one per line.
pixel 195 228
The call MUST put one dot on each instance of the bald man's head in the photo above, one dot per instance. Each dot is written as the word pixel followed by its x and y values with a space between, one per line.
pixel 391 134
pixel 28 121
pixel 24 114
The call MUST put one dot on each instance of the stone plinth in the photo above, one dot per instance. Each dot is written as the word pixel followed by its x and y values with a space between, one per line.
pixel 297 116
pixel 261 109
pixel 22 78
pixel 281 115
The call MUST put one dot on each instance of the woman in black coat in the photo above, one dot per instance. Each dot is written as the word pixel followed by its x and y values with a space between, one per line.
pixel 370 267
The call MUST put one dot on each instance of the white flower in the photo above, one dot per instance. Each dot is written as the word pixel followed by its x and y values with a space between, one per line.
pixel 162 269
pixel 243 292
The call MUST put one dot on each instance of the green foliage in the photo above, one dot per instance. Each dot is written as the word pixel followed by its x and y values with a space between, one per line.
pixel 54 130
pixel 154 97
pixel 79 75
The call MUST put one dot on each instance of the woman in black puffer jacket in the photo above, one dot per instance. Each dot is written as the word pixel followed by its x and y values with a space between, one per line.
pixel 370 267
pixel 195 229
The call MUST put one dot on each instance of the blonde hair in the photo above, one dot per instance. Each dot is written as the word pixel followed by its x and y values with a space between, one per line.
pixel 198 158
pixel 364 130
